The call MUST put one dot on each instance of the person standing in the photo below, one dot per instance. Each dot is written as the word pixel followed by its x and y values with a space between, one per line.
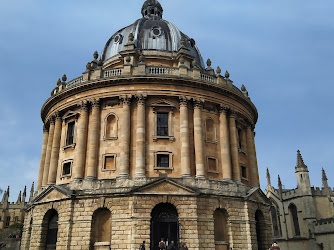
pixel 171 246
pixel 142 246
pixel 162 244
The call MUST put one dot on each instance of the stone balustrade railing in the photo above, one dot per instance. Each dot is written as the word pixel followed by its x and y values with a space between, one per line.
pixel 127 70
pixel 162 71
pixel 75 81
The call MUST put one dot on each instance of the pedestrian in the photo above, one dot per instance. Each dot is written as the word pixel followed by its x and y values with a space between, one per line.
pixel 171 246
pixel 142 246
pixel 162 244
pixel 184 246
pixel 274 246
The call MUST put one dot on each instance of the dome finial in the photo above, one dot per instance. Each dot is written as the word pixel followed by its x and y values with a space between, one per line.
pixel 152 9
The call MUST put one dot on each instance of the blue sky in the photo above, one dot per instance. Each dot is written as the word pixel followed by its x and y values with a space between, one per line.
pixel 281 50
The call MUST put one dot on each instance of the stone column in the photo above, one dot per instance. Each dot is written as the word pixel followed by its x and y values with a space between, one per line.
pixel 125 139
pixel 43 155
pixel 184 138
pixel 225 150
pixel 140 144
pixel 94 132
pixel 81 141
pixel 234 147
pixel 48 153
pixel 254 175
pixel 55 151
pixel 198 140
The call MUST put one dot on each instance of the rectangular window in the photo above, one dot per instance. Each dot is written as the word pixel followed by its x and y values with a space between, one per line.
pixel 109 162
pixel 67 168
pixel 244 172
pixel 70 133
pixel 162 124
pixel 212 165
pixel 162 161
pixel 16 219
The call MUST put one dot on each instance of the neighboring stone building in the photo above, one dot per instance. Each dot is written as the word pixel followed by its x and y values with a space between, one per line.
pixel 303 218
pixel 148 144
pixel 13 212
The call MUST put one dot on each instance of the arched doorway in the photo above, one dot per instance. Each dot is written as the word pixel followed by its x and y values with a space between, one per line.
pixel 164 224
pixel 52 229
pixel 260 230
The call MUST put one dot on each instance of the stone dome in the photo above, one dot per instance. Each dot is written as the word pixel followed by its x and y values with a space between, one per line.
pixel 151 32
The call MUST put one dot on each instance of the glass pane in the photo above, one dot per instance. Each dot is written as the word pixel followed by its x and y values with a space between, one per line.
pixel 162 124
pixel 163 161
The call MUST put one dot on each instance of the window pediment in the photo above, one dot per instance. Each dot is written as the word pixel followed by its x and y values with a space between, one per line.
pixel 69 115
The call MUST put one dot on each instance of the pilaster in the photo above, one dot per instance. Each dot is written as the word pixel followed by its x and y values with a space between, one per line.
pixel 234 147
pixel 43 156
pixel 225 151
pixel 184 138
pixel 48 152
pixel 198 140
pixel 140 144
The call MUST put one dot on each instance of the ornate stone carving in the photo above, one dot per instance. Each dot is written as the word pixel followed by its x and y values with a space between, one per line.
pixel 244 90
pixel 130 37
pixel 57 116
pixel 95 103
pixel 96 55
pixel 183 101
pixel 83 106
pixel 198 103
pixel 227 75
pixel 141 99
pixel 223 109
pixel 126 99
pixel 64 78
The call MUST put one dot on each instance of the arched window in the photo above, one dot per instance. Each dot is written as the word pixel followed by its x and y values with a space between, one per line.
pixel 220 217
pixel 210 130
pixel 52 229
pixel 260 230
pixel 111 127
pixel 274 220
pixel 101 227
pixel 7 221
pixel 294 219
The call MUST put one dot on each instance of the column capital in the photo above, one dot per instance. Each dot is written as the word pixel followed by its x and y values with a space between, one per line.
pixel 141 99
pixel 250 125
pixel 45 129
pixel 83 106
pixel 95 103
pixel 198 103
pixel 126 99
pixel 183 101
pixel 232 113
pixel 57 116
pixel 223 109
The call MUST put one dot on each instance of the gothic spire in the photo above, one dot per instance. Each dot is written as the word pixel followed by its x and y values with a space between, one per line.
pixel 324 179
pixel 24 194
pixel 19 198
pixel 268 178
pixel 32 192
pixel 280 187
pixel 300 163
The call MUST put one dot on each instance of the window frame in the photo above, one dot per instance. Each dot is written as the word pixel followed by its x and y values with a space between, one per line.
pixel 67 119
pixel 62 169
pixel 207 164
pixel 163 106
pixel 246 171
pixel 170 154
pixel 104 162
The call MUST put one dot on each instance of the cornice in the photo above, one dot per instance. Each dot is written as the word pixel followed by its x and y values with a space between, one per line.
pixel 126 80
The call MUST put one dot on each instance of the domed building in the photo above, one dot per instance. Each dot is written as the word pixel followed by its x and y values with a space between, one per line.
pixel 148 143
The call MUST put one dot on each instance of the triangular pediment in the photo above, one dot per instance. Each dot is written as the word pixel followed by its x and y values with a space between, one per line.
pixel 70 114
pixel 256 194
pixel 162 103
pixel 165 187
pixel 53 193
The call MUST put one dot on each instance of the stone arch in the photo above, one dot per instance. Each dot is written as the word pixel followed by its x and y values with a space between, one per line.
pixel 221 233
pixel 101 228
pixel 260 229
pixel 49 229
pixel 164 224
pixel 111 127
pixel 294 219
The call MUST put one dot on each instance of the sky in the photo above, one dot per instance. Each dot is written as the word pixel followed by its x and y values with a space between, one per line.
pixel 282 51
